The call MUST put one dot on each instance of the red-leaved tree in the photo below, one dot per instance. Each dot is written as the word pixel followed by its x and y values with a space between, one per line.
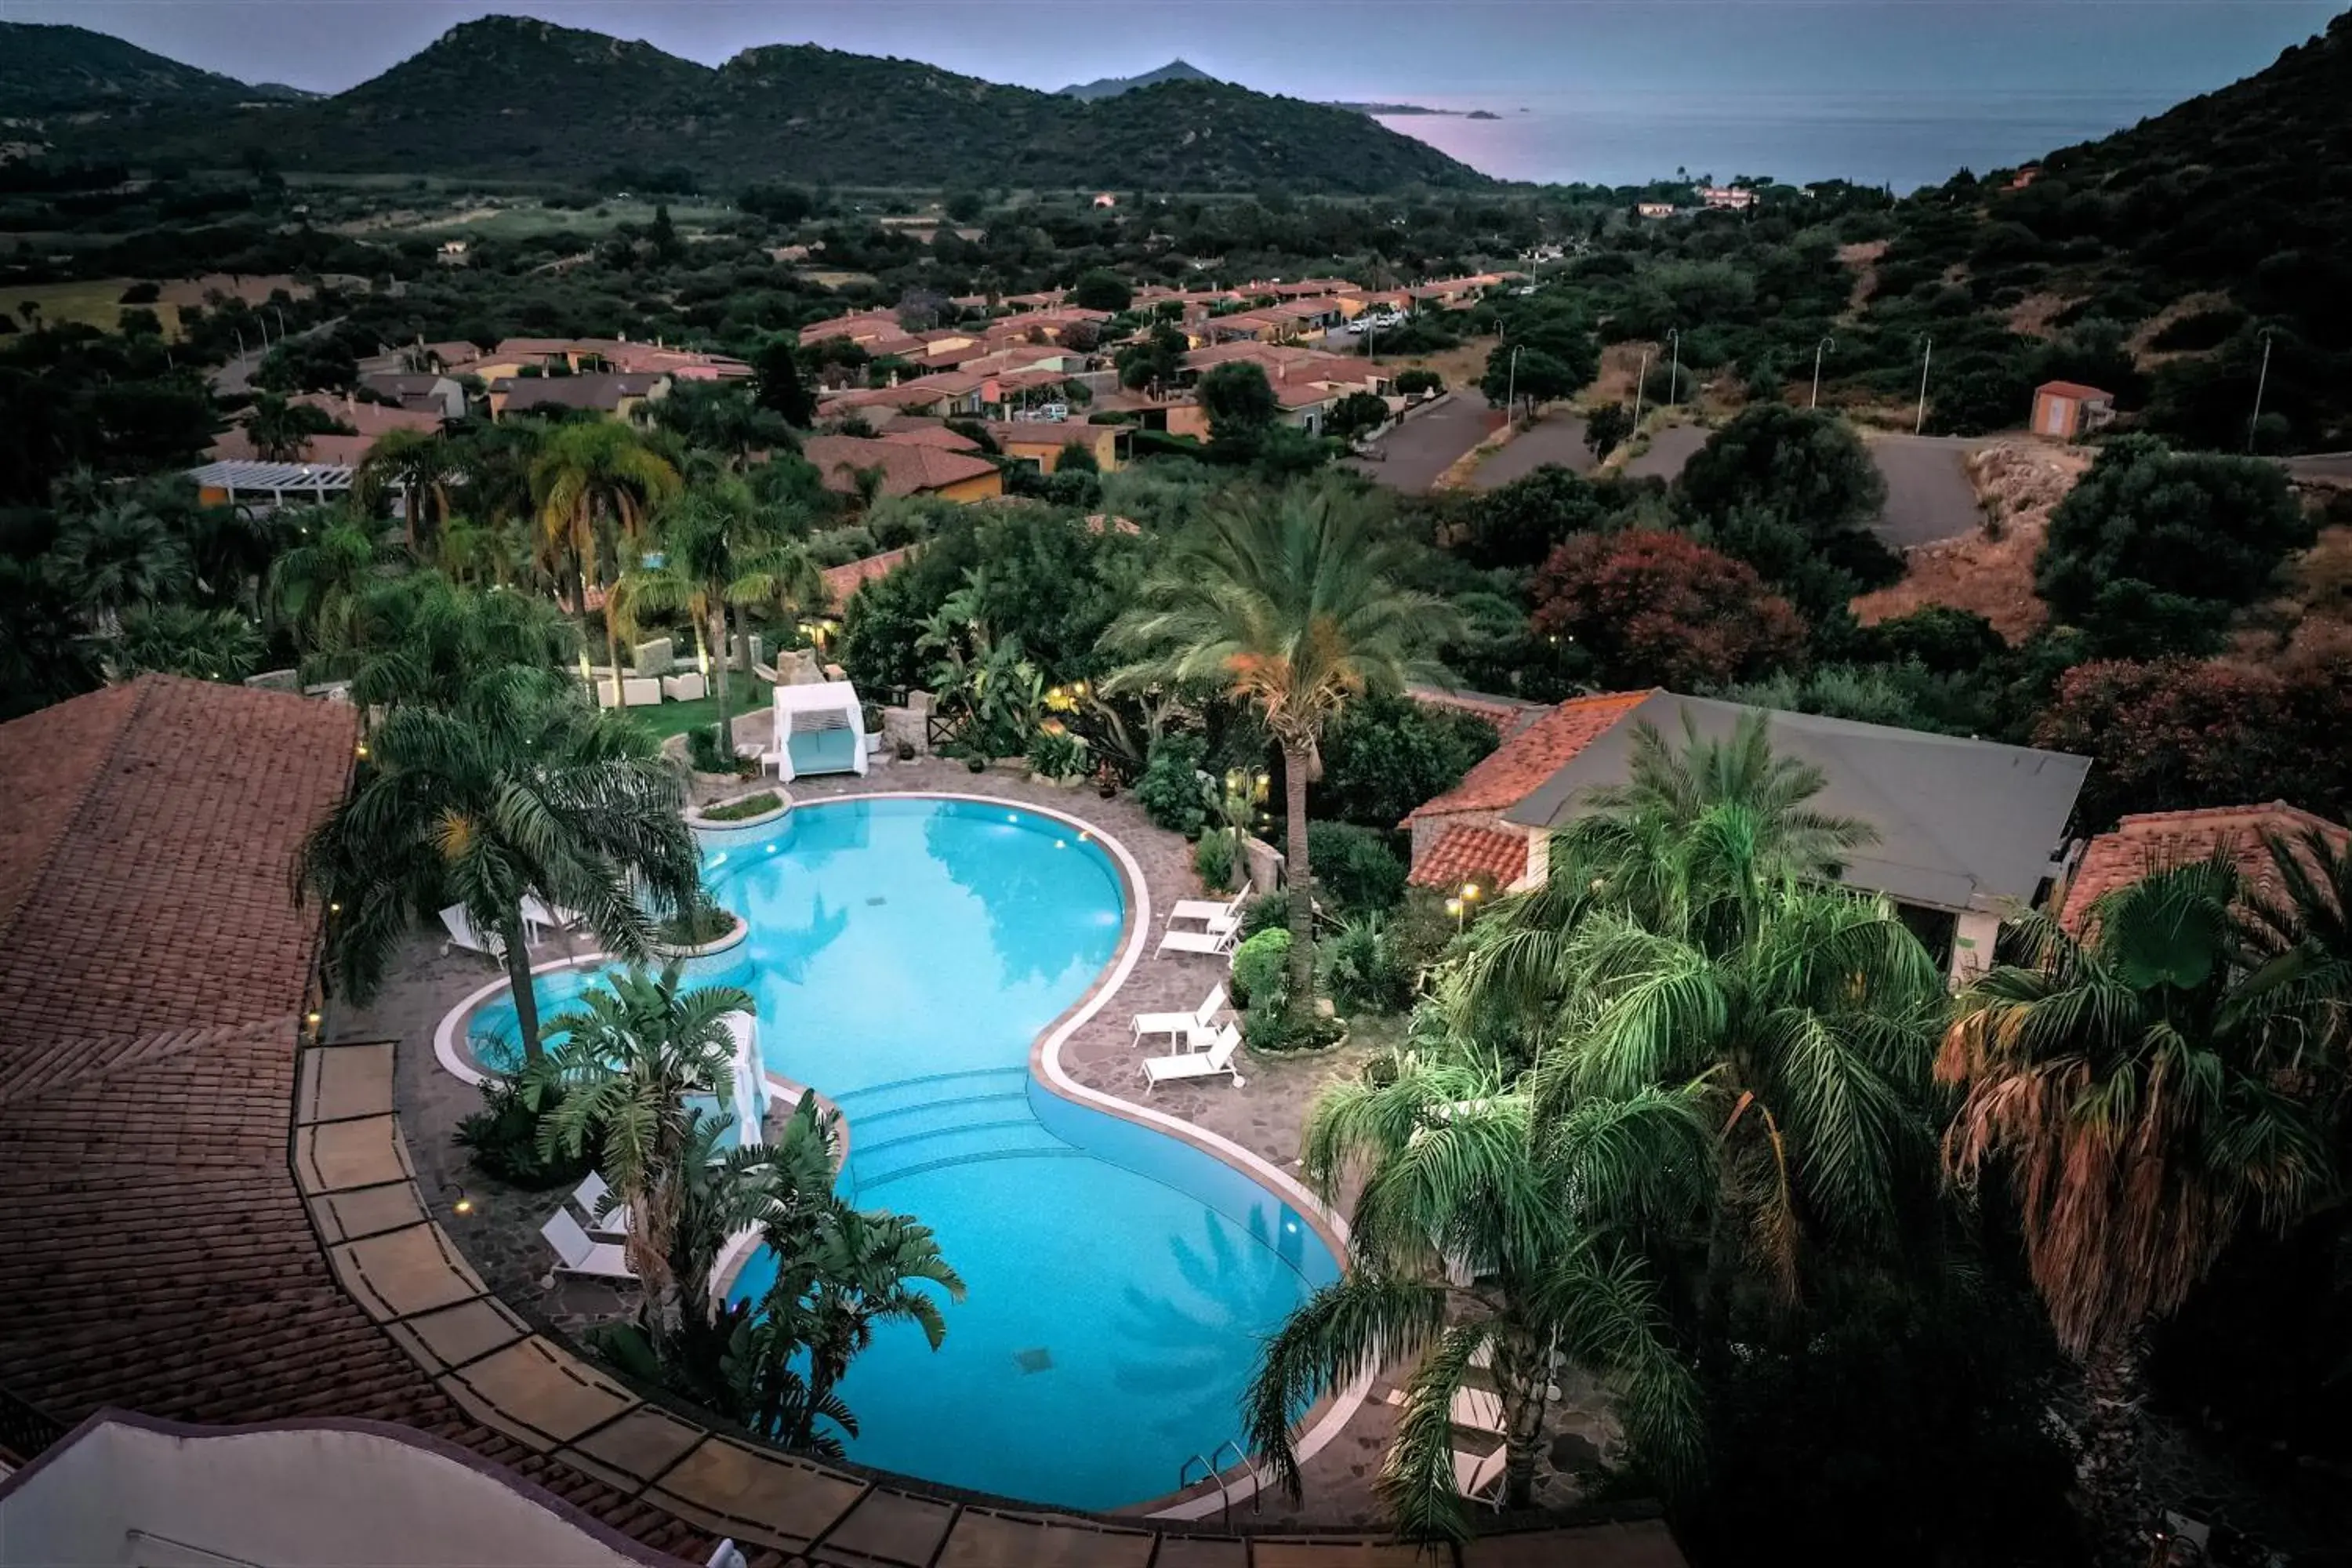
pixel 1654 609
pixel 2169 734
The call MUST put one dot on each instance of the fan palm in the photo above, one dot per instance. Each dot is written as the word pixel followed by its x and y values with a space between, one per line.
pixel 1287 601
pixel 119 556
pixel 1482 1237
pixel 420 638
pixel 181 639
pixel 2131 1078
pixel 594 484
pixel 632 1050
pixel 516 789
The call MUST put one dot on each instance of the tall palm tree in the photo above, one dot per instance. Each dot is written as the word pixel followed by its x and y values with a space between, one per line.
pixel 315 584
pixel 861 1271
pixel 182 639
pixel 595 484
pixel 280 429
pixel 1287 601
pixel 1482 1238
pixel 715 553
pixel 2132 1079
pixel 420 638
pixel 1678 936
pixel 516 789
pixel 119 556
pixel 420 465
pixel 633 1049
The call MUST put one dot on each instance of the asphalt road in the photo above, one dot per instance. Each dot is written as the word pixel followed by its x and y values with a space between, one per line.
pixel 1928 495
pixel 1669 450
pixel 236 374
pixel 1557 438
pixel 1427 444
pixel 2321 465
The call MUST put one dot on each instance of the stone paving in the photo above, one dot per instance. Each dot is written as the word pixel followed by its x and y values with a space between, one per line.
pixel 456 1307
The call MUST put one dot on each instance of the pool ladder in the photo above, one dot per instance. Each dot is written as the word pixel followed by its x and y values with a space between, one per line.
pixel 1209 1472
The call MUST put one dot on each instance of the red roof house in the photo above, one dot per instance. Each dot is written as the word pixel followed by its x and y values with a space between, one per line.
pixel 2152 841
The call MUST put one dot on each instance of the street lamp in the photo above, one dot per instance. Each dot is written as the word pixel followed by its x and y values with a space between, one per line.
pixel 1641 374
pixel 1926 357
pixel 1455 907
pixel 2260 381
pixel 1824 343
pixel 1675 375
pixel 1511 385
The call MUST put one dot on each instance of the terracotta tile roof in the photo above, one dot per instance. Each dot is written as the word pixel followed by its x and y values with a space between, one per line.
pixel 1506 715
pixel 840 582
pixel 599 389
pixel 2151 840
pixel 2075 389
pixel 938 435
pixel 160 1256
pixel 1492 859
pixel 906 470
pixel 1507 776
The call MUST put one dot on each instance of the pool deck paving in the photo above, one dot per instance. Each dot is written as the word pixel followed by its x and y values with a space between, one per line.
pixel 471 1301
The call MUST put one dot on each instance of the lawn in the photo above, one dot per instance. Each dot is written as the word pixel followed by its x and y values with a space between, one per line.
pixel 678 717
pixel 96 303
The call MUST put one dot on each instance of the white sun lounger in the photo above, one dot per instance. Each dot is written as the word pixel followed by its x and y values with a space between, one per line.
pixel 1477 1410
pixel 554 916
pixel 1217 940
pixel 1209 909
pixel 1217 1058
pixel 592 1192
pixel 576 1253
pixel 1194 1027
pixel 1479 1476
pixel 462 933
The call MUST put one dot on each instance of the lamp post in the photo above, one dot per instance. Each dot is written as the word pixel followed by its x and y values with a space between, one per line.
pixel 1511 385
pixel 1455 907
pixel 1824 343
pixel 1674 373
pixel 2260 381
pixel 1926 357
pixel 1641 374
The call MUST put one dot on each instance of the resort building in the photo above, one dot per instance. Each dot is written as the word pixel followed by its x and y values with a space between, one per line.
pixel 1969 832
pixel 2149 841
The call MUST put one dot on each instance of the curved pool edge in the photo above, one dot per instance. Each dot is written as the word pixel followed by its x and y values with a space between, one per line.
pixel 1327 1418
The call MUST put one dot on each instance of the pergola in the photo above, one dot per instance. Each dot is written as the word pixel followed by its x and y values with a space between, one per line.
pixel 251 480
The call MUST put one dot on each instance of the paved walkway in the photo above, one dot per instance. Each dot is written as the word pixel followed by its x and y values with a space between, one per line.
pixel 1556 437
pixel 387 1219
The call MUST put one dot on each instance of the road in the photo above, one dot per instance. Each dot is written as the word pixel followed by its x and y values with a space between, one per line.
pixel 1556 439
pixel 2335 466
pixel 235 376
pixel 1428 443
pixel 1669 450
pixel 1928 495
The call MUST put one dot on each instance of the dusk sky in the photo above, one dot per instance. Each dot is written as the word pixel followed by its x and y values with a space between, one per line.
pixel 2135 52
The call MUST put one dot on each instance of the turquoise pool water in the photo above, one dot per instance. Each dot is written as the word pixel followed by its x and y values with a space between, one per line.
pixel 904 954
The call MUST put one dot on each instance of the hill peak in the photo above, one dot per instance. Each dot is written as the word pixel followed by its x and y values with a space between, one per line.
pixel 1112 86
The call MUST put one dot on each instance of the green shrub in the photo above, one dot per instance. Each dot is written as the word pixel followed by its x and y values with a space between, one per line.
pixel 1416 381
pixel 1058 754
pixel 705 755
pixel 1268 911
pixel 1258 965
pixel 705 922
pixel 503 1137
pixel 1354 867
pixel 1365 968
pixel 1212 857
pixel 1278 1030
pixel 1171 791
pixel 758 805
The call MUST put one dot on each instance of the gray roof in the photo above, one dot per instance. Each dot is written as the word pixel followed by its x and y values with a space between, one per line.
pixel 598 389
pixel 1962 824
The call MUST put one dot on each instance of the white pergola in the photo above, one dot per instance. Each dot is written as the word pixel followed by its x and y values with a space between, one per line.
pixel 258 483
pixel 816 708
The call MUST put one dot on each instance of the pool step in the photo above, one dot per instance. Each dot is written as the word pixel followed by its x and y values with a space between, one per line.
pixel 872 1165
pixel 860 1105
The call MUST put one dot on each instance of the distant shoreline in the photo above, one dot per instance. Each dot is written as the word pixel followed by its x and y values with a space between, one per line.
pixel 1380 109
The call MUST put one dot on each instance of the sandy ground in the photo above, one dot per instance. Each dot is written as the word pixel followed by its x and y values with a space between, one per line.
pixel 1990 570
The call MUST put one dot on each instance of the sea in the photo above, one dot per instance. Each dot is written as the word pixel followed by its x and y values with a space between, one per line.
pixel 1902 140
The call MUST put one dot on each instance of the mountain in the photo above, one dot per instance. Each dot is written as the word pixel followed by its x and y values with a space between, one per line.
pixel 54 69
pixel 1112 86
pixel 514 98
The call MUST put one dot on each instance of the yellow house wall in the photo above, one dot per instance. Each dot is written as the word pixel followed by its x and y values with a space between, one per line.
pixel 981 487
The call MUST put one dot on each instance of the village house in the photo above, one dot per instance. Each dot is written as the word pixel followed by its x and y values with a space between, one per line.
pixel 907 467
pixel 1654 209
pixel 2149 841
pixel 1968 832
pixel 1726 198
pixel 617 394
pixel 419 391
pixel 1039 443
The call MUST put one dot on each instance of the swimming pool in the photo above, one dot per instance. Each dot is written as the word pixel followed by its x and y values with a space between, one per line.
pixel 904 953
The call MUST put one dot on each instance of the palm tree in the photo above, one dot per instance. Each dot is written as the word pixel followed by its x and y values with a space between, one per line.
pixel 714 554
pixel 1678 936
pixel 182 639
pixel 860 1271
pixel 518 789
pixel 119 556
pixel 1483 1238
pixel 315 584
pixel 1287 601
pixel 594 484
pixel 631 1052
pixel 2135 1079
pixel 418 464
pixel 280 429
pixel 420 638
